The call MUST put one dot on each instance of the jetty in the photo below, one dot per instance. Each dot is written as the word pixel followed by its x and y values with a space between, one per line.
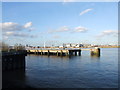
pixel 63 52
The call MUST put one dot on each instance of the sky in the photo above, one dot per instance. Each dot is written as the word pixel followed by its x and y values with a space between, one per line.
pixel 55 23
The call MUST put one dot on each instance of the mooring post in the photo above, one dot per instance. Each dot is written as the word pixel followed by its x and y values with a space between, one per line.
pixel 95 51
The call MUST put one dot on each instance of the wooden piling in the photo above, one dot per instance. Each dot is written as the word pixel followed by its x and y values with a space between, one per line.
pixel 70 52
pixel 79 52
pixel 57 53
pixel 41 52
pixel 48 53
pixel 75 53
pixel 61 53
pixel 67 53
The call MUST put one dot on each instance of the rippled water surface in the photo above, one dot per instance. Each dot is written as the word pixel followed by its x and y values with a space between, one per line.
pixel 73 72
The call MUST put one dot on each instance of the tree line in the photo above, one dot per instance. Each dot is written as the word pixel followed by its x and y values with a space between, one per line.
pixel 6 48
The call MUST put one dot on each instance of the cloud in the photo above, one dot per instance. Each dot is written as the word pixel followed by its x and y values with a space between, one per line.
pixel 18 34
pixel 11 26
pixel 23 35
pixel 108 32
pixel 80 29
pixel 61 29
pixel 85 11
pixel 27 25
pixel 9 33
pixel 67 29
pixel 14 29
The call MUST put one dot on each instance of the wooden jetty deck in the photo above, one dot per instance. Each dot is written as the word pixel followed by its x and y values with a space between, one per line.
pixel 59 52
pixel 55 52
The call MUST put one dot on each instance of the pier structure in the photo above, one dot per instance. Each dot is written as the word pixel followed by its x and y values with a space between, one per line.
pixel 56 52
pixel 95 51
pixel 13 60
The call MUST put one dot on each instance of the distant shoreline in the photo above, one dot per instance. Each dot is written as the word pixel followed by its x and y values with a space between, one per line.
pixel 101 47
pixel 109 47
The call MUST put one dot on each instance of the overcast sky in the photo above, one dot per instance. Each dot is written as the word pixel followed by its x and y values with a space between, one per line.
pixel 60 22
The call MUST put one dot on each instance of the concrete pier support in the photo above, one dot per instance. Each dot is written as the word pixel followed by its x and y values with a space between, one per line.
pixel 95 51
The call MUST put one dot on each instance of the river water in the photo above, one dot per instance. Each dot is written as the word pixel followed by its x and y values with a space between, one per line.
pixel 73 72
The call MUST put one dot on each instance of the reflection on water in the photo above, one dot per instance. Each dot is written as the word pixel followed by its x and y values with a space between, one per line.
pixel 95 57
pixel 51 56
